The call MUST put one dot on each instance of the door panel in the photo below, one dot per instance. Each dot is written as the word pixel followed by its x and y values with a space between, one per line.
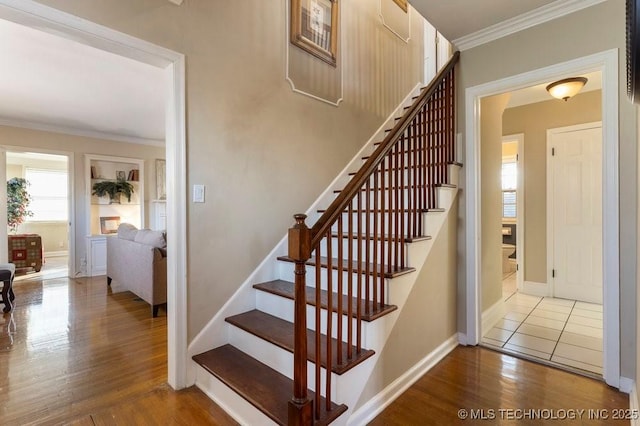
pixel 576 216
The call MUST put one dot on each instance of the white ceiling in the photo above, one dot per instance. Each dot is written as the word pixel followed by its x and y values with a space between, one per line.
pixel 52 83
pixel 457 18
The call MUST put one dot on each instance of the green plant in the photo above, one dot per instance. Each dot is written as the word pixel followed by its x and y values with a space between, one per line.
pixel 18 200
pixel 113 189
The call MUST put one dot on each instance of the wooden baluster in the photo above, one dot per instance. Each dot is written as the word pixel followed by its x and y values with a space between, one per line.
pixel 318 322
pixel 329 324
pixel 300 411
pixel 452 119
pixel 447 134
pixel 432 154
pixel 396 205
pixel 340 273
pixel 367 233
pixel 382 228
pixel 359 280
pixel 409 190
pixel 390 183
pixel 423 159
pixel 376 212
pixel 350 283
pixel 401 212
pixel 414 168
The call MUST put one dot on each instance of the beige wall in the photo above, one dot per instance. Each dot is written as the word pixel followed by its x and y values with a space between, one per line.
pixel 79 145
pixel 591 30
pixel 534 120
pixel 428 317
pixel 263 151
pixel 491 198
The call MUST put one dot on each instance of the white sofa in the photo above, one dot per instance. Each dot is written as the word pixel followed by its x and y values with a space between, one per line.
pixel 137 262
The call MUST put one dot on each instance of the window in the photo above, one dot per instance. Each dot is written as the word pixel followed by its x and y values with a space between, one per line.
pixel 48 190
pixel 509 185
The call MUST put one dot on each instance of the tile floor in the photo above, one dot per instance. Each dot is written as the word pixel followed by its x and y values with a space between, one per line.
pixel 560 331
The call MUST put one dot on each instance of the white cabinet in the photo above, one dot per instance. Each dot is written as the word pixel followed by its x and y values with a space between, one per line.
pixel 96 255
pixel 158 215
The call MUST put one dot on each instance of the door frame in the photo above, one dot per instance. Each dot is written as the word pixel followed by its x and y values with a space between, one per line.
pixel 71 197
pixel 607 63
pixel 45 18
pixel 520 213
pixel 550 201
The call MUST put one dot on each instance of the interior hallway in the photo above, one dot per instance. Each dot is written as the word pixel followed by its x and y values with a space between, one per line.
pixel 567 333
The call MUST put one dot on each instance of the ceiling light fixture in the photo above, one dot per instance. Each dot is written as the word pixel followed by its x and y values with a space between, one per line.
pixel 567 87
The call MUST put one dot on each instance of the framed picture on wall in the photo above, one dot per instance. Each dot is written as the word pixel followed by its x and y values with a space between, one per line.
pixel 403 4
pixel 109 224
pixel 161 179
pixel 314 28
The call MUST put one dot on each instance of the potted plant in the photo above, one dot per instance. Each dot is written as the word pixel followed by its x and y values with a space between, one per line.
pixel 18 200
pixel 114 189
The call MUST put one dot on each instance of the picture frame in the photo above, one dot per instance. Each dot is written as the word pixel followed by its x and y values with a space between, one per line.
pixel 121 175
pixel 314 28
pixel 161 179
pixel 109 224
pixel 402 4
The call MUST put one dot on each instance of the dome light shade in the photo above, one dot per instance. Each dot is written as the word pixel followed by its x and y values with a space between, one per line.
pixel 567 87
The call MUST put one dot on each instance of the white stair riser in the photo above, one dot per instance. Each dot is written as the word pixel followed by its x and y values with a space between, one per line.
pixel 286 273
pixel 380 247
pixel 277 358
pixel 283 308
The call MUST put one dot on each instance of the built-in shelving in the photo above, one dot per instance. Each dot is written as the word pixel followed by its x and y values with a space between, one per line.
pixel 100 168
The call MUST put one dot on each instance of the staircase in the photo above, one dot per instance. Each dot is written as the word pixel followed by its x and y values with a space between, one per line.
pixel 299 347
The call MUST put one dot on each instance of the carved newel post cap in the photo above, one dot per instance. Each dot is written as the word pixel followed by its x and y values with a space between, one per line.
pixel 300 218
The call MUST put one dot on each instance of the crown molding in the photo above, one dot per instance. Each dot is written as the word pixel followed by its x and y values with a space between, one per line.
pixel 31 125
pixel 530 19
pixel 178 2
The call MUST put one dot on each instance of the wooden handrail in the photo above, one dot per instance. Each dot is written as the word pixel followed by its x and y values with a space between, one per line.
pixel 340 203
pixel 384 203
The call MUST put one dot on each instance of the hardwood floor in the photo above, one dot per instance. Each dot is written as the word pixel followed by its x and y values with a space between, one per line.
pixel 74 353
pixel 475 378
pixel 72 350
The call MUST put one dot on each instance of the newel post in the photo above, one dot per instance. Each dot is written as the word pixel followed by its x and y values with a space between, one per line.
pixel 300 406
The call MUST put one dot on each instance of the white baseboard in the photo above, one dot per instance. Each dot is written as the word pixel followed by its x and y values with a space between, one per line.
pixel 626 384
pixel 462 339
pixel 634 407
pixel 375 405
pixel 55 254
pixel 535 289
pixel 492 315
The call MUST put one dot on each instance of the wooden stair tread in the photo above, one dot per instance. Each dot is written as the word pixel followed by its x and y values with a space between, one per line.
pixel 286 289
pixel 265 388
pixel 281 333
pixel 364 211
pixel 345 265
pixel 407 239
pixel 404 188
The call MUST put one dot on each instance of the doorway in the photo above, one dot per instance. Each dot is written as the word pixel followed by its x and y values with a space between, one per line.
pixel 607 63
pixel 50 20
pixel 49 180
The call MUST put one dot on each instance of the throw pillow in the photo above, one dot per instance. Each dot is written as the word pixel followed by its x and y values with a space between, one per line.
pixel 151 238
pixel 127 231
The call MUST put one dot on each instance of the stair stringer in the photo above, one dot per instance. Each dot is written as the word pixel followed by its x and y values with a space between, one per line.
pixel 215 332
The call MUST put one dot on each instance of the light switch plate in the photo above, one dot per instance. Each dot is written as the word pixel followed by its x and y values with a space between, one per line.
pixel 198 193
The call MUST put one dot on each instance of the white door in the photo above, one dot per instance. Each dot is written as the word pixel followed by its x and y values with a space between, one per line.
pixel 575 213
